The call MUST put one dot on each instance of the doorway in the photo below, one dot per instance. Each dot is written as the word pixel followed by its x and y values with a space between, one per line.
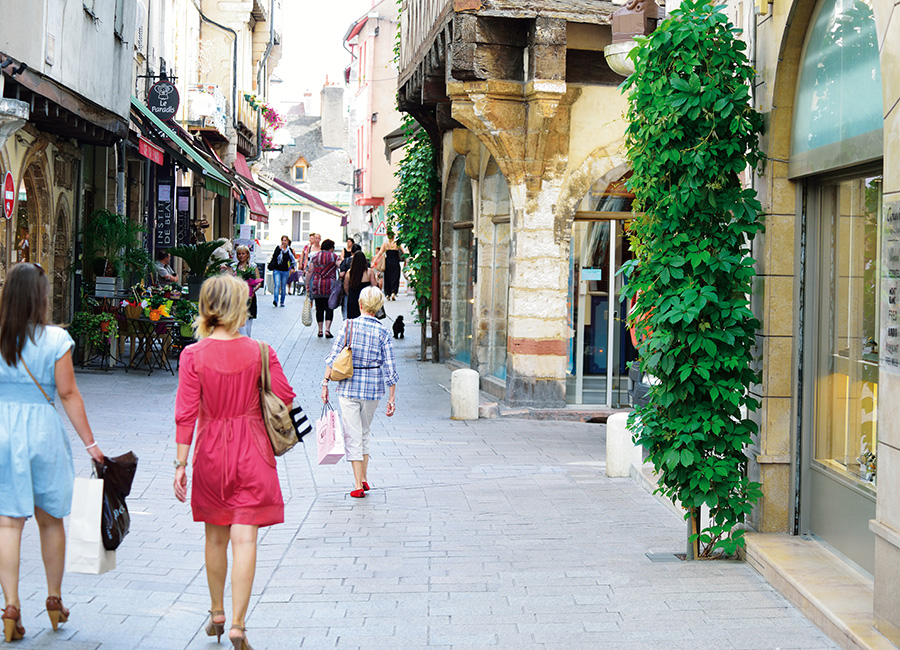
pixel 599 349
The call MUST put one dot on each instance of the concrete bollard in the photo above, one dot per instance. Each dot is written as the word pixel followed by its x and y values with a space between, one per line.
pixel 464 394
pixel 621 452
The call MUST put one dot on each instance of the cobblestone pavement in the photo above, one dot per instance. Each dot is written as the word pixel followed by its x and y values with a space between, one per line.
pixel 489 534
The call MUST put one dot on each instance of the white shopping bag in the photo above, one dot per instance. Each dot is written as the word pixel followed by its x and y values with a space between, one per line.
pixel 84 543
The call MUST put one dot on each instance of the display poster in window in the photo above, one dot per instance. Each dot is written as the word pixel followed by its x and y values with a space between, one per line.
pixel 165 214
pixel 183 210
pixel 890 290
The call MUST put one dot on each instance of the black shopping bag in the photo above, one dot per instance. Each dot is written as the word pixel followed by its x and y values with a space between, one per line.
pixel 117 474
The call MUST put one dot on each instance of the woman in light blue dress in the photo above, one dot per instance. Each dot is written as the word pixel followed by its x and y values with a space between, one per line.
pixel 36 470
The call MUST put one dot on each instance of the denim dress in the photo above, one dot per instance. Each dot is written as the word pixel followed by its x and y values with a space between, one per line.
pixel 36 468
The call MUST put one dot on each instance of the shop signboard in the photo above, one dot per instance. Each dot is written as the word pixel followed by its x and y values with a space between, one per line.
pixel 165 214
pixel 9 195
pixel 890 290
pixel 183 209
pixel 150 151
pixel 163 99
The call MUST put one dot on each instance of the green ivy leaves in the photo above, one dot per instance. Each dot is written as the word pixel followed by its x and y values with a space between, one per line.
pixel 410 211
pixel 692 131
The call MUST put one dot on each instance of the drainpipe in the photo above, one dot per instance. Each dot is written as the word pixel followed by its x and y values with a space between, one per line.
pixel 120 177
pixel 259 72
pixel 234 58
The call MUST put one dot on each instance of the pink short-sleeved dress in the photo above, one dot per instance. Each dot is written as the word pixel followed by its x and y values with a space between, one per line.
pixel 234 478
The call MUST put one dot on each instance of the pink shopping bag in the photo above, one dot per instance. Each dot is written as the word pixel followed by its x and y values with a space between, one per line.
pixel 329 436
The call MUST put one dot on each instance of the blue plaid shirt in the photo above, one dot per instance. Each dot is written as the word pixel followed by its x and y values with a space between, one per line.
pixel 373 359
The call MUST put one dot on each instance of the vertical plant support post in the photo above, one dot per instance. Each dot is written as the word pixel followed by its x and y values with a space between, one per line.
pixel 692 134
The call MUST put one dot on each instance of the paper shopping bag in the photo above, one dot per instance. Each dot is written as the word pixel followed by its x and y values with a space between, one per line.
pixel 84 543
pixel 329 436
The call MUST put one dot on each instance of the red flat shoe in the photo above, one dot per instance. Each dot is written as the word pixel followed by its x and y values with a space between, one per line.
pixel 366 486
pixel 358 494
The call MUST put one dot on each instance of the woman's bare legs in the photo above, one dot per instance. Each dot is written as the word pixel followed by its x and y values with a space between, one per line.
pixel 217 567
pixel 10 545
pixel 53 550
pixel 243 552
pixel 365 467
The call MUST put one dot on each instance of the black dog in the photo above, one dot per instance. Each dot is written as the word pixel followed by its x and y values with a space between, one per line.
pixel 399 327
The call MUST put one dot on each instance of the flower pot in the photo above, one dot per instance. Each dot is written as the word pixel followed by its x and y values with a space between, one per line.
pixel 104 326
pixel 194 284
pixel 133 311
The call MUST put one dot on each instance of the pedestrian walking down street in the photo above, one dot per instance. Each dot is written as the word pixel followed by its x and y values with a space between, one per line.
pixel 321 274
pixel 373 369
pixel 249 274
pixel 235 483
pixel 37 474
pixel 390 251
pixel 357 278
pixel 283 260
pixel 343 268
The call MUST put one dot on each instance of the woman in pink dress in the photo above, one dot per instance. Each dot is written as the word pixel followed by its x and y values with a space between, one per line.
pixel 235 488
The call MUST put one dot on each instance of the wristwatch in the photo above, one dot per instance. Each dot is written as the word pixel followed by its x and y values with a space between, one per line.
pixel 325 382
pixel 180 463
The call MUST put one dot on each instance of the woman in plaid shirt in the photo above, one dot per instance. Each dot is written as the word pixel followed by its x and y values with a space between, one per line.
pixel 373 369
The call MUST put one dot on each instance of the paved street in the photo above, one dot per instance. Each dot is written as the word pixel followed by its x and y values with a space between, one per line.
pixel 497 533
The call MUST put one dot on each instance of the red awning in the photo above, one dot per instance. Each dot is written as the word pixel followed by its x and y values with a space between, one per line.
pixel 258 210
pixel 310 197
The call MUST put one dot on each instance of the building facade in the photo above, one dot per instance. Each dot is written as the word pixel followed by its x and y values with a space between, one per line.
pixel 528 121
pixel 371 81
pixel 66 78
pixel 829 448
pixel 311 186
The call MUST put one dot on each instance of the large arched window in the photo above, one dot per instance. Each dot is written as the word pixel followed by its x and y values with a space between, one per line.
pixel 838 106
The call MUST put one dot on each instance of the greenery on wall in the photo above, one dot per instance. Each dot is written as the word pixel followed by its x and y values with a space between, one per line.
pixel 410 211
pixel 692 133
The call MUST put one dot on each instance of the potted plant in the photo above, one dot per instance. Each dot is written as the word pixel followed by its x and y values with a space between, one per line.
pixel 113 245
pixel 185 311
pixel 201 263
pixel 94 329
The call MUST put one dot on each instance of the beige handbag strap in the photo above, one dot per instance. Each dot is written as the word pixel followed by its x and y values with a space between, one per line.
pixel 35 380
pixel 264 353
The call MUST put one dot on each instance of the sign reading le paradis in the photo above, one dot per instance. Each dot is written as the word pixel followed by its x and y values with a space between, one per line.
pixel 163 100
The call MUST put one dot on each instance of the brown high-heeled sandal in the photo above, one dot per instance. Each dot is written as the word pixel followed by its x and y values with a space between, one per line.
pixel 213 628
pixel 55 610
pixel 12 623
pixel 240 642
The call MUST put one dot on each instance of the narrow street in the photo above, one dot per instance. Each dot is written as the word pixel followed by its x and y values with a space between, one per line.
pixel 497 533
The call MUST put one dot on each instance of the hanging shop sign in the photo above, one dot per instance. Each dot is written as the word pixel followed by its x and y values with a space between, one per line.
pixel 165 213
pixel 9 195
pixel 183 209
pixel 150 151
pixel 163 100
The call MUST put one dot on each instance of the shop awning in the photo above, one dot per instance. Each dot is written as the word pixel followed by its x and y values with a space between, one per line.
pixel 157 131
pixel 396 139
pixel 289 189
pixel 258 210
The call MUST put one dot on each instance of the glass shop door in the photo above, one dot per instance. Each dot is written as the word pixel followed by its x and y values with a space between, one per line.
pixel 600 348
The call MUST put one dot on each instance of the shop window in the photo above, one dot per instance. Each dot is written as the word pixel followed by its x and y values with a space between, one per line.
pixel 849 329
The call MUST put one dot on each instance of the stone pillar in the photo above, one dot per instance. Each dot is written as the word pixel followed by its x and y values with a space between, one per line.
pixel 464 394
pixel 13 115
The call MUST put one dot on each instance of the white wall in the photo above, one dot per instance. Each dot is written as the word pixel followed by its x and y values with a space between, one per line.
pixel 60 40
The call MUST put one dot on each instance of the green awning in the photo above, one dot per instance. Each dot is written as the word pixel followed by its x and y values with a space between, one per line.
pixel 212 178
